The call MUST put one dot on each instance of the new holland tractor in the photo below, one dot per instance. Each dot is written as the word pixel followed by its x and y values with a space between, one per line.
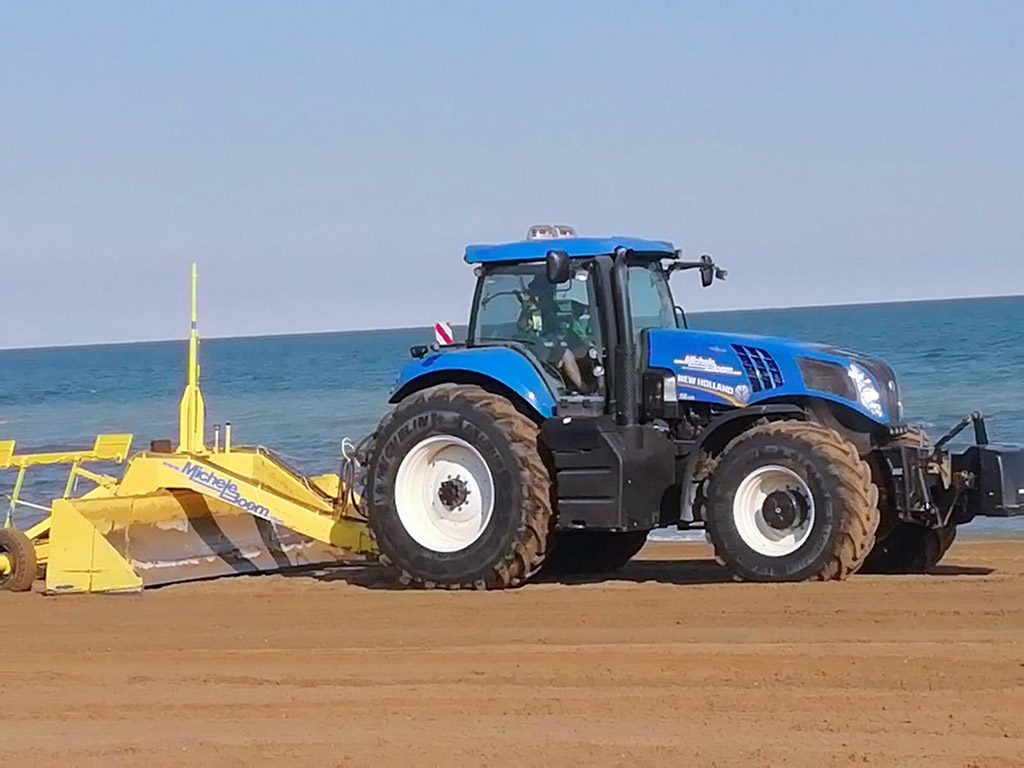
pixel 581 413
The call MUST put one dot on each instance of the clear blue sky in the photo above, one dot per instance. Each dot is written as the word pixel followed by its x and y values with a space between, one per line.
pixel 326 162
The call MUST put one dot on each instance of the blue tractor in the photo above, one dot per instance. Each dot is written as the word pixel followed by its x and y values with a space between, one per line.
pixel 581 413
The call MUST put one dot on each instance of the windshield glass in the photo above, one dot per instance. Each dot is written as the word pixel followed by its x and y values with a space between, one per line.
pixel 518 303
pixel 650 300
pixel 559 323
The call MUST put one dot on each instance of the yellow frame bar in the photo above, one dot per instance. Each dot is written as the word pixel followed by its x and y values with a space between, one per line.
pixel 106 448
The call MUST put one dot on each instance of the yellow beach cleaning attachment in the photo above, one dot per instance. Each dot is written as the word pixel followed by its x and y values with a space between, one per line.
pixel 177 513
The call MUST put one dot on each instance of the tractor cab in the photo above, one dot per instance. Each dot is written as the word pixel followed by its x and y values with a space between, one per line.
pixel 564 324
pixel 558 299
pixel 560 324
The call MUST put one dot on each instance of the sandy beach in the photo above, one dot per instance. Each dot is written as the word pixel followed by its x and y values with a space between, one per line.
pixel 667 663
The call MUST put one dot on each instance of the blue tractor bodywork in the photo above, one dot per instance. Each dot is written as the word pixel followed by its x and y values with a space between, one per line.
pixel 716 368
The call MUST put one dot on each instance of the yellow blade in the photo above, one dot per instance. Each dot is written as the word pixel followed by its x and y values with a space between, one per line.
pixel 117 544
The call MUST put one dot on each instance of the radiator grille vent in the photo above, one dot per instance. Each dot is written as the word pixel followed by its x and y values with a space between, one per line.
pixel 760 367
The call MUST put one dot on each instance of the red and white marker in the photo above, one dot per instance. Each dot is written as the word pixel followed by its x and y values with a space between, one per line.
pixel 443 334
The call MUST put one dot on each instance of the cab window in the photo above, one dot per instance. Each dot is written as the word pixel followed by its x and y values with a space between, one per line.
pixel 558 323
pixel 650 300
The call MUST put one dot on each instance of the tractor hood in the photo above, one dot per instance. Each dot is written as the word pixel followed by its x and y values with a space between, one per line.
pixel 733 370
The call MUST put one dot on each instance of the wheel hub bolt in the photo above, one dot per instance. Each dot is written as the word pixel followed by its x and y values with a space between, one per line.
pixel 453 493
pixel 784 509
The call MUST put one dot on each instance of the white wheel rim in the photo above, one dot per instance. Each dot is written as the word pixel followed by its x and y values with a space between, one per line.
pixel 775 526
pixel 444 493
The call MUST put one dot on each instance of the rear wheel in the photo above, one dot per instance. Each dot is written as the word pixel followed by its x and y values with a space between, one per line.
pixel 458 495
pixel 20 553
pixel 789 501
pixel 583 552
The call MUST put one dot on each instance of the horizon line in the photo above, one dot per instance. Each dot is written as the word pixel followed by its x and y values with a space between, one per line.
pixel 287 334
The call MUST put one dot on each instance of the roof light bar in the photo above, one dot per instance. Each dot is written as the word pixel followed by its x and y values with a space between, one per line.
pixel 550 231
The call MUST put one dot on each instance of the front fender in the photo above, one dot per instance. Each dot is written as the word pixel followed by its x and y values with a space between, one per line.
pixel 495 368
pixel 717 434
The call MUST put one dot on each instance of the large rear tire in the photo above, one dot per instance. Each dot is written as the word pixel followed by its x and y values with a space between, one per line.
pixel 905 547
pixel 790 501
pixel 21 558
pixel 458 494
pixel 587 552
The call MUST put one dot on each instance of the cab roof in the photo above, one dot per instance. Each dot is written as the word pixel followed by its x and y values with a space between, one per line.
pixel 576 247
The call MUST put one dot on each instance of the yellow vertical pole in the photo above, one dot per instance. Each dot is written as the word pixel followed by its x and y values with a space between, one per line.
pixel 192 413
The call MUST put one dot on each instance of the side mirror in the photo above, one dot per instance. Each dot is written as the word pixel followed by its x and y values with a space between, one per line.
pixel 558 267
pixel 709 272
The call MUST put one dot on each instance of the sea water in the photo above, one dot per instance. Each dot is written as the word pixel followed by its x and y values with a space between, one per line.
pixel 302 394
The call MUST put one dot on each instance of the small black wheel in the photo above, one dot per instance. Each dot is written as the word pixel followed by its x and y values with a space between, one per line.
pixel 583 552
pixel 21 560
pixel 789 501
pixel 904 547
pixel 457 492
pixel 910 548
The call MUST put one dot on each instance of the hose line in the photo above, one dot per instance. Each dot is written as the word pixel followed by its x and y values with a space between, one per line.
pixel 353 457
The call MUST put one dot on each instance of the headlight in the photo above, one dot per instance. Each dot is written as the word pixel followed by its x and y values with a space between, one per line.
pixel 851 382
pixel 826 376
pixel 867 392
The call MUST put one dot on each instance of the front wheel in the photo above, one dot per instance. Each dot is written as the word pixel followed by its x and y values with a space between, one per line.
pixel 789 501
pixel 457 492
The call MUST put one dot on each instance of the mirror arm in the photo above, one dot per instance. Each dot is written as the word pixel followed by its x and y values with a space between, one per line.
pixel 705 263
pixel 681 265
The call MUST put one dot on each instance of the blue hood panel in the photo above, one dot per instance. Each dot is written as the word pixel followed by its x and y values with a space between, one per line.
pixel 735 370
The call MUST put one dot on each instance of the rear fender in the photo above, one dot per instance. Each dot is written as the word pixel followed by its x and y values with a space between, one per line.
pixel 496 369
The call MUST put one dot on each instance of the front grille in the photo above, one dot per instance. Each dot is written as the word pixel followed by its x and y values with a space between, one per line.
pixel 760 367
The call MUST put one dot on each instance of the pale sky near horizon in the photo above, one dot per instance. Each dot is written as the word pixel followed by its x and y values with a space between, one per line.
pixel 325 163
